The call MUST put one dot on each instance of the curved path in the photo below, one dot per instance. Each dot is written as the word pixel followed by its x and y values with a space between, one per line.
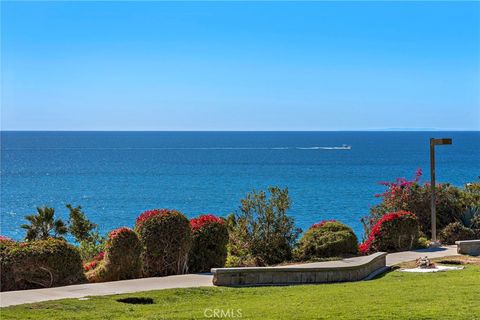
pixel 10 298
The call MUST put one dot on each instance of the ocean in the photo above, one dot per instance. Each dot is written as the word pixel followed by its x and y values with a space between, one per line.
pixel 115 176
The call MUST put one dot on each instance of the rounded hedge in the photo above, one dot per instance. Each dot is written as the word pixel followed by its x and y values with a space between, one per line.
pixel 327 239
pixel 395 231
pixel 39 264
pixel 6 239
pixel 166 239
pixel 122 259
pixel 209 243
pixel 455 232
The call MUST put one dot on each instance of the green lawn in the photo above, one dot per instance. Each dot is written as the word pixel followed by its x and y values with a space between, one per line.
pixel 449 295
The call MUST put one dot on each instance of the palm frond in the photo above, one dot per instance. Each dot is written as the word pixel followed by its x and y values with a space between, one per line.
pixel 60 227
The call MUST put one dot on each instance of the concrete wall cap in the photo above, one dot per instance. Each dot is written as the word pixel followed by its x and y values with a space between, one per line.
pixel 467 241
pixel 344 264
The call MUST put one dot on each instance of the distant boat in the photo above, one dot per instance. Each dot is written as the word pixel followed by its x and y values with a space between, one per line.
pixel 344 147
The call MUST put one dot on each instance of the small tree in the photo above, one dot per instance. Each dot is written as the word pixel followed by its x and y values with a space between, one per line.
pixel 79 226
pixel 85 233
pixel 43 225
pixel 262 229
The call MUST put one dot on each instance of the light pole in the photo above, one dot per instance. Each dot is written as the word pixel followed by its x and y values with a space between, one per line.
pixel 433 143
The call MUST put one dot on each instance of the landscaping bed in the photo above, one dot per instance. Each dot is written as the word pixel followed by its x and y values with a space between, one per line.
pixel 451 260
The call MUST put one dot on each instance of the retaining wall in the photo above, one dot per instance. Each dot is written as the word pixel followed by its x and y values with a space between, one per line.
pixel 469 247
pixel 353 269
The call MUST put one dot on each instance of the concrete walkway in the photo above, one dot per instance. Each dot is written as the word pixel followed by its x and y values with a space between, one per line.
pixel 398 257
pixel 10 298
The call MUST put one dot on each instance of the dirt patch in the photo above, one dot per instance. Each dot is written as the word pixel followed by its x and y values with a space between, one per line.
pixel 136 300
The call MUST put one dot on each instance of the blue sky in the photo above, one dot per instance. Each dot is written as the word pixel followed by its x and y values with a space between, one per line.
pixel 240 66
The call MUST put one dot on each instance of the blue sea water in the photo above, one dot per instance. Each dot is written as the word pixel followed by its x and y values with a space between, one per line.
pixel 114 176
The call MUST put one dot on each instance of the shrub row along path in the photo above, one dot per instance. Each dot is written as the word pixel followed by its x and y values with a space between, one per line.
pixel 181 281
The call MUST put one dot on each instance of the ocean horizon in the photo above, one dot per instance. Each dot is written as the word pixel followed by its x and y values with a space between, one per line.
pixel 115 175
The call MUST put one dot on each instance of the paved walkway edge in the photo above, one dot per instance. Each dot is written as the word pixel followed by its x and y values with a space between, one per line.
pixel 11 298
pixel 377 273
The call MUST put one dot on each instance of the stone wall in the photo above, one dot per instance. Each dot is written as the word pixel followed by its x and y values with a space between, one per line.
pixel 469 247
pixel 338 271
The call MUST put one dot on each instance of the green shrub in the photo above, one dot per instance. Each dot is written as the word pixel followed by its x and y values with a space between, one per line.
pixel 454 232
pixel 166 239
pixel 477 233
pixel 92 246
pixel 209 243
pixel 327 239
pixel 122 258
pixel 475 222
pixel 449 205
pixel 39 264
pixel 262 231
pixel 395 231
pixel 240 260
pixel 422 243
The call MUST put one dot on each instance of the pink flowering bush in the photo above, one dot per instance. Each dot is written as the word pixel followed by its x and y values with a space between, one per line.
pixel 399 192
pixel 148 214
pixel 93 264
pixel 4 238
pixel 203 220
pixel 395 231
pixel 209 243
pixel 121 259
pixel 327 239
pixel 414 196
pixel 166 238
pixel 321 223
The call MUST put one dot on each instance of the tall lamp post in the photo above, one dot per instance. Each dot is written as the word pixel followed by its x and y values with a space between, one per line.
pixel 433 143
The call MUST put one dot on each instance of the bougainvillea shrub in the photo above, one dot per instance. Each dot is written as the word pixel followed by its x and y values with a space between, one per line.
pixel 456 232
pixel 166 238
pixel 122 258
pixel 209 243
pixel 94 263
pixel 327 239
pixel 415 197
pixel 4 238
pixel 395 231
pixel 39 264
pixel 321 223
